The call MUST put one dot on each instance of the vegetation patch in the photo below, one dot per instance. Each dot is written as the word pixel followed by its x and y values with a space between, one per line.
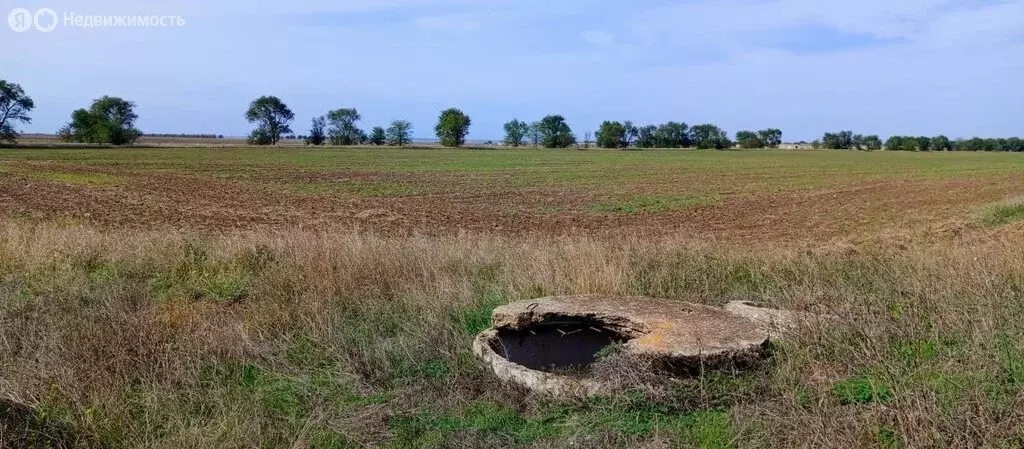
pixel 1004 213
pixel 861 390
pixel 81 179
pixel 653 204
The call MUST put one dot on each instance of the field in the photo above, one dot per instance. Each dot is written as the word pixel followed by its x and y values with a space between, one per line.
pixel 733 197
pixel 240 297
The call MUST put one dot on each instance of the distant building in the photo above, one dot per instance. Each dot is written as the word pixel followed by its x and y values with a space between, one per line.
pixel 796 146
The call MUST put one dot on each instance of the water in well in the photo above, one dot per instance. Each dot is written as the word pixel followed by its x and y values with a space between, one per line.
pixel 556 346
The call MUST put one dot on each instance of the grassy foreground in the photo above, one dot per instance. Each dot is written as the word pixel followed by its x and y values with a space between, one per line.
pixel 331 340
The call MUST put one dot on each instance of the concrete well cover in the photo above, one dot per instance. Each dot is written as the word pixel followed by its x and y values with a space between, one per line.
pixel 645 326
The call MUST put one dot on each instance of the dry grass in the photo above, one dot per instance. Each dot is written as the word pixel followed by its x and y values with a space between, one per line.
pixel 296 339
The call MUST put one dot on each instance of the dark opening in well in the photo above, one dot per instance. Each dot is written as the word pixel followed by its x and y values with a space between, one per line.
pixel 556 345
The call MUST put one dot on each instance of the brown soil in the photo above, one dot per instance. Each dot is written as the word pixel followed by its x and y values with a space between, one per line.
pixel 454 203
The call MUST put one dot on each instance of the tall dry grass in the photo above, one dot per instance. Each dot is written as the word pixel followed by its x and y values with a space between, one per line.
pixel 130 339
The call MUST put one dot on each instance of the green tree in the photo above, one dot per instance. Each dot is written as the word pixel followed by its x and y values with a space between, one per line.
pixel 555 132
pixel 516 132
pixel 452 127
pixel 673 135
pixel 399 133
pixel 872 143
pixel 842 140
pixel 108 120
pixel 14 108
pixel 910 144
pixel 611 135
pixel 923 143
pixel 377 136
pixel 941 143
pixel 341 126
pixel 1015 144
pixel 647 137
pixel 316 132
pixel 631 134
pixel 894 143
pixel 709 136
pixel 535 133
pixel 749 139
pixel 770 138
pixel 272 118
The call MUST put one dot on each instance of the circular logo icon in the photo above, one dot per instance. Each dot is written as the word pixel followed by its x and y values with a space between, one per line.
pixel 20 20
pixel 46 20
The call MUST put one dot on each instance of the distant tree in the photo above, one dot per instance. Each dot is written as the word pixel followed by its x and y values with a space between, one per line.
pixel 749 139
pixel 272 118
pixel 14 108
pixel 535 133
pixel 909 143
pixel 871 143
pixel 341 126
pixel 709 136
pixel 377 136
pixel 816 144
pixel 923 143
pixel 842 140
pixel 894 143
pixel 857 142
pixel 1015 144
pixel 108 120
pixel 770 138
pixel 611 135
pixel 452 127
pixel 399 133
pixel 647 137
pixel 516 132
pixel 631 134
pixel 316 132
pixel 555 133
pixel 941 143
pixel 586 139
pixel 672 135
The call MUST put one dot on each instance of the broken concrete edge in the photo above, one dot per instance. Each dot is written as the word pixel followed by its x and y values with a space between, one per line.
pixel 655 328
pixel 538 381
pixel 776 321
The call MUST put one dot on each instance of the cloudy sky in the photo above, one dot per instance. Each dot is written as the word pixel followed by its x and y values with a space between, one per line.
pixel 805 66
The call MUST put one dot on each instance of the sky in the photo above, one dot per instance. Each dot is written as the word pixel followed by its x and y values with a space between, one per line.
pixel 884 67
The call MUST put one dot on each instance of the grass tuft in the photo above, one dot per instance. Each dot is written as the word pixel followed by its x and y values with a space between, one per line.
pixel 861 390
pixel 1004 213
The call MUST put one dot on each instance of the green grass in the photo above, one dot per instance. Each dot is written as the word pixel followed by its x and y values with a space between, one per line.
pixel 735 172
pixel 861 390
pixel 1004 213
pixel 652 204
pixel 82 179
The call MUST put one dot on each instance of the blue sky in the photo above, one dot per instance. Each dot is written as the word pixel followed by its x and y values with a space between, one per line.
pixel 805 66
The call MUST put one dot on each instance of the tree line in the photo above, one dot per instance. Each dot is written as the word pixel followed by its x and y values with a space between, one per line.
pixel 111 120
pixel 847 140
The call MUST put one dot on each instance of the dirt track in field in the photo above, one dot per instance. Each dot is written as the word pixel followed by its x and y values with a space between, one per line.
pixel 448 203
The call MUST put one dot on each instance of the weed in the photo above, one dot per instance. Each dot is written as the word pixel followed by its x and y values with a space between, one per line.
pixel 861 390
pixel 1004 213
